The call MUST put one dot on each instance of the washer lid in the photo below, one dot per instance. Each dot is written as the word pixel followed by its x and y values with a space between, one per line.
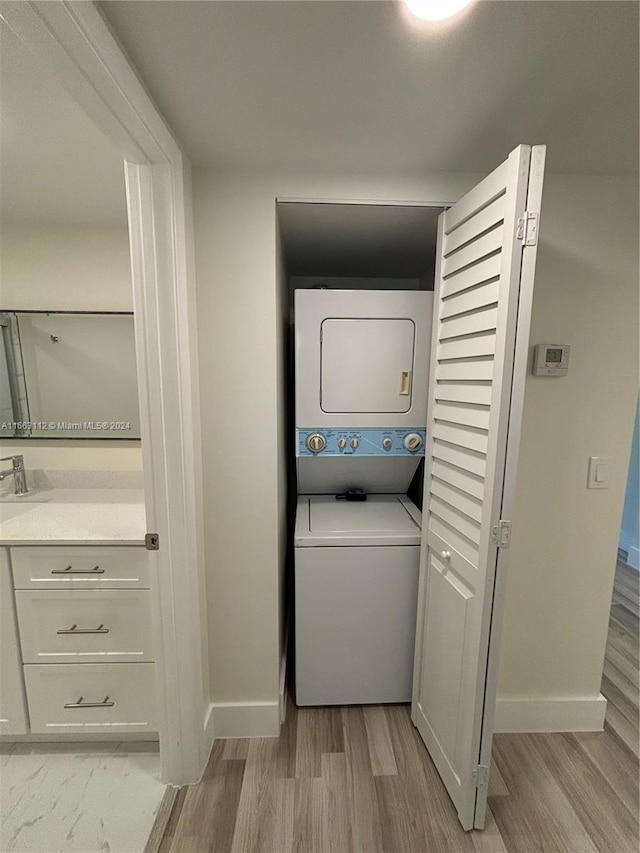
pixel 381 519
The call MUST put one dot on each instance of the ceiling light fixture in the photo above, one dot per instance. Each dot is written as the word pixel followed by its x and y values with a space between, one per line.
pixel 435 10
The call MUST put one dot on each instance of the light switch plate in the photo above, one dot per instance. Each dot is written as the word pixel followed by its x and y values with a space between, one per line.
pixel 599 472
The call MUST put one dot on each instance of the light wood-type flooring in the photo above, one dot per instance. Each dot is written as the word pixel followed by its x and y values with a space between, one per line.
pixel 340 780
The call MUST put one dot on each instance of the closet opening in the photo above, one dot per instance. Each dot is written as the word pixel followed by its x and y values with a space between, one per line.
pixel 363 364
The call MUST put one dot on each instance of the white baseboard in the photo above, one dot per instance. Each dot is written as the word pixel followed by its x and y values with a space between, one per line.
pixel 633 555
pixel 560 714
pixel 245 719
pixel 209 727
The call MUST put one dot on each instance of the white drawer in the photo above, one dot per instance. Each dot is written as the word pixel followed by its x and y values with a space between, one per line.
pixel 85 698
pixel 85 626
pixel 79 567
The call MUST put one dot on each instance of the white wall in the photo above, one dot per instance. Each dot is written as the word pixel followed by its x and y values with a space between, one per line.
pixel 565 537
pixel 240 333
pixel 75 269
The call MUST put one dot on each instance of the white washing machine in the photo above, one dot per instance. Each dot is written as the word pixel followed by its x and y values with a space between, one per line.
pixel 361 383
pixel 356 592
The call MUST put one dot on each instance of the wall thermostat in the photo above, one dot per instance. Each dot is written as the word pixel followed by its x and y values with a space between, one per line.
pixel 551 360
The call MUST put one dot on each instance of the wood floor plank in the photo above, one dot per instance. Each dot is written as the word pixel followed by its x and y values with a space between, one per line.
pixel 383 762
pixel 336 829
pixel 285 750
pixel 497 785
pixel 438 821
pixel 612 676
pixel 172 824
pixel 399 829
pixel 161 822
pixel 622 663
pixel 210 808
pixel 319 730
pixel 254 804
pixel 278 833
pixel 609 824
pixel 235 749
pixel 623 642
pixel 626 598
pixel 625 618
pixel 537 814
pixel 617 723
pixel 616 762
pixel 489 840
pixel 361 792
pixel 308 815
pixel 187 844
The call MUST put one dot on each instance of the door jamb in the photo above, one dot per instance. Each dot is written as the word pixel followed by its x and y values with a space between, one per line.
pixel 77 47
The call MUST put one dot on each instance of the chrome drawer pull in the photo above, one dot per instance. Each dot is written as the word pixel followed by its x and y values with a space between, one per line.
pixel 96 570
pixel 75 630
pixel 81 704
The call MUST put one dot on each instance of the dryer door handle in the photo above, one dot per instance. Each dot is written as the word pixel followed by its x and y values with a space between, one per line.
pixel 405 383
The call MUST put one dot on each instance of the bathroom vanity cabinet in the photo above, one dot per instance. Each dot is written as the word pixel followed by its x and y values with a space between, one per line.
pixel 77 643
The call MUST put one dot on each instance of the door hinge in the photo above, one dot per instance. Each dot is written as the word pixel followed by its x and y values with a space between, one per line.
pixel 501 534
pixel 527 229
pixel 152 542
pixel 481 776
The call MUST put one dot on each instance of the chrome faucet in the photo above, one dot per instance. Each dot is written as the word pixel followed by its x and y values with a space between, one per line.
pixel 19 474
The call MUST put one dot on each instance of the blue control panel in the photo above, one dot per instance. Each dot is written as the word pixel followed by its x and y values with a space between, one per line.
pixel 368 441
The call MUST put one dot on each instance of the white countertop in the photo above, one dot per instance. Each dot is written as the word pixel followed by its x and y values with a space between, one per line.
pixel 73 516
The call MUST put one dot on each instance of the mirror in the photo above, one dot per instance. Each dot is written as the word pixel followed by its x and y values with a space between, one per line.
pixel 67 353
pixel 68 375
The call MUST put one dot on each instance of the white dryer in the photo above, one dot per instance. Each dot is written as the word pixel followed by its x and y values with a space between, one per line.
pixel 356 592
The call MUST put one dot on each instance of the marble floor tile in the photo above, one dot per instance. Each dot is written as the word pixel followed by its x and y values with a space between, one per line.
pixel 76 798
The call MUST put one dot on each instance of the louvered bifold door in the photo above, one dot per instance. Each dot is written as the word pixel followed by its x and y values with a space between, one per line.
pixel 480 253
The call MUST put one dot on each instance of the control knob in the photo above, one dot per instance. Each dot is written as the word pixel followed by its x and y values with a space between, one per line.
pixel 354 443
pixel 387 443
pixel 413 441
pixel 316 442
pixel 342 443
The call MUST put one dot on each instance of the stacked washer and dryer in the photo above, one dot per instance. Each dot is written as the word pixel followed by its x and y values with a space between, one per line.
pixel 361 384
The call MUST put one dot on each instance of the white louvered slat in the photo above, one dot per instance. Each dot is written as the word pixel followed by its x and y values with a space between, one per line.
pixel 463 480
pixel 463 436
pixel 463 413
pixel 482 320
pixel 456 519
pixel 480 196
pixel 480 222
pixel 472 276
pixel 459 392
pixel 452 535
pixel 468 505
pixel 467 369
pixel 467 347
pixel 468 460
pixel 473 252
pixel 481 295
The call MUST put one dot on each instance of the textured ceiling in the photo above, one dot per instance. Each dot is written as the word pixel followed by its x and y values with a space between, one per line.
pixel 351 87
